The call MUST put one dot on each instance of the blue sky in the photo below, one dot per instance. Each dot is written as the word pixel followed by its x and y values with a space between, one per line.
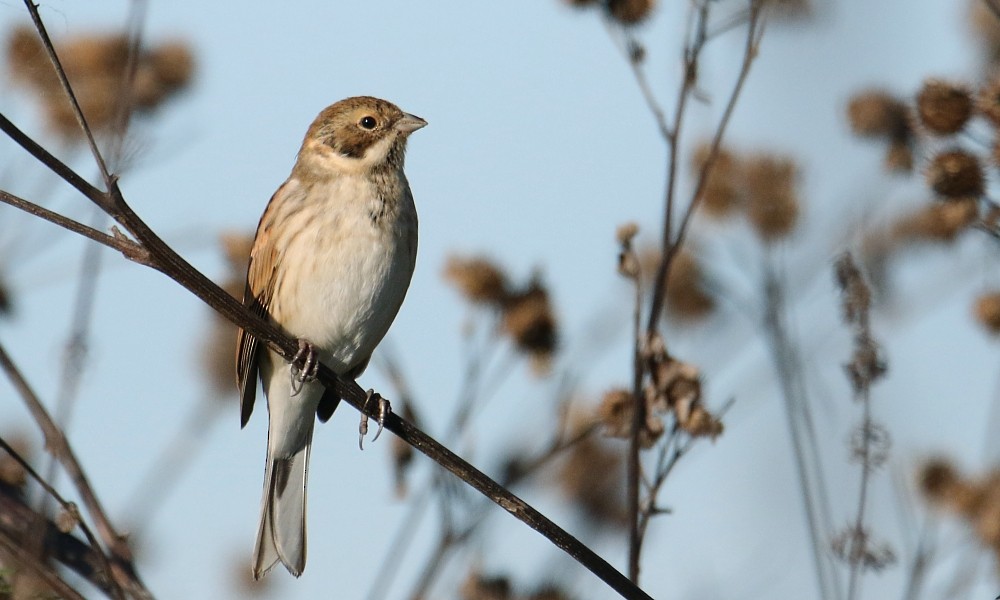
pixel 538 146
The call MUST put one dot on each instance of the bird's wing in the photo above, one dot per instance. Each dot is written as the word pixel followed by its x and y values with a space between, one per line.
pixel 257 297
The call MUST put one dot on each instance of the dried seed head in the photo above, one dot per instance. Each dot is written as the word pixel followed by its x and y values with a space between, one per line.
pixel 479 279
pixel 68 518
pixel 97 67
pixel 173 65
pixel 937 222
pixel 530 322
pixel 630 12
pixel 943 108
pixel 772 201
pixel 956 174
pixel 988 100
pixel 626 232
pixel 942 485
pixel 615 414
pixel 987 311
pixel 686 297
pixel 719 196
pixel 628 261
pixel 700 423
pixel 878 114
pixel 592 475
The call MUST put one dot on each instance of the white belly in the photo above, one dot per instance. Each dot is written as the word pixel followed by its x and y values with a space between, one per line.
pixel 354 273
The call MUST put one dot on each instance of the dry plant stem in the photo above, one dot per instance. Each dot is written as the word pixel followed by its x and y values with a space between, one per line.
pixel 121 566
pixel 634 470
pixel 811 481
pixel 110 586
pixel 922 559
pixel 672 242
pixel 130 249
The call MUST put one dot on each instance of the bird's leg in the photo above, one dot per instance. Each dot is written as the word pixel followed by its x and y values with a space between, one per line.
pixel 384 408
pixel 305 365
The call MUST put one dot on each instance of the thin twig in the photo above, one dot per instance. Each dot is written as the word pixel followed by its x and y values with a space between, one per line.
pixel 127 247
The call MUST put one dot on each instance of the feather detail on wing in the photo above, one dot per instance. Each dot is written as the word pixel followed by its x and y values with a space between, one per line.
pixel 261 277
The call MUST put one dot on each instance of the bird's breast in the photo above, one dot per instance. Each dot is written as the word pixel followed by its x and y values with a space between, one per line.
pixel 345 266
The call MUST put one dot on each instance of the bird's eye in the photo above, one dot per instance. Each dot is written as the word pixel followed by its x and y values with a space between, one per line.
pixel 368 122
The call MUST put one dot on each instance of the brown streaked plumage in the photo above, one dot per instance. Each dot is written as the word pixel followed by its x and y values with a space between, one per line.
pixel 330 264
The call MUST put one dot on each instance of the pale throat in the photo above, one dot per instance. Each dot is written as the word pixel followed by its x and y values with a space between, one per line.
pixel 321 159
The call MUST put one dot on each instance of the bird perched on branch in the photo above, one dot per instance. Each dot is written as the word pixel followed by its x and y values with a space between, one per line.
pixel 330 264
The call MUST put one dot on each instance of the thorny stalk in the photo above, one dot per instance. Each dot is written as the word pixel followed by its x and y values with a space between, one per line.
pixel 167 261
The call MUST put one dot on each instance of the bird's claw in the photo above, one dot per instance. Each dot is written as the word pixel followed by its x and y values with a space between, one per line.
pixel 384 408
pixel 305 366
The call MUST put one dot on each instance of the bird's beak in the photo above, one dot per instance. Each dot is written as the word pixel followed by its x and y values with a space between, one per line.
pixel 409 123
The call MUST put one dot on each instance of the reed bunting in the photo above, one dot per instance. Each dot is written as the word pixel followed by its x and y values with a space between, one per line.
pixel 330 264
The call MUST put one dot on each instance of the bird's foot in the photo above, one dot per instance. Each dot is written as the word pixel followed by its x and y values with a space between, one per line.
pixel 384 409
pixel 305 366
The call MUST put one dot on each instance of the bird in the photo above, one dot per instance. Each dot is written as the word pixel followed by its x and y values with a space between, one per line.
pixel 331 262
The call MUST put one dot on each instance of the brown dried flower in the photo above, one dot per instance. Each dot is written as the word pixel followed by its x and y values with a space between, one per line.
pixel 479 279
pixel 987 311
pixel 878 114
pixel 943 108
pixel 630 12
pixel 937 222
pixel 97 66
pixel 686 296
pixel 720 195
pixel 956 174
pixel 593 475
pixel 528 319
pixel 628 261
pixel 615 414
pixel 772 202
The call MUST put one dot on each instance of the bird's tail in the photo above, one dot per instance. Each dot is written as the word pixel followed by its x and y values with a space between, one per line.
pixel 281 534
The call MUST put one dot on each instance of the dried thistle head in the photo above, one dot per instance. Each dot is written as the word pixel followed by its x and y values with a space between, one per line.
pixel 97 66
pixel 592 475
pixel 630 12
pixel 676 386
pixel 479 279
pixel 772 200
pixel 956 173
pixel 937 222
pixel 878 114
pixel 943 108
pixel 628 260
pixel 686 297
pixel 720 194
pixel 987 311
pixel 942 485
pixel 615 413
pixel 527 317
